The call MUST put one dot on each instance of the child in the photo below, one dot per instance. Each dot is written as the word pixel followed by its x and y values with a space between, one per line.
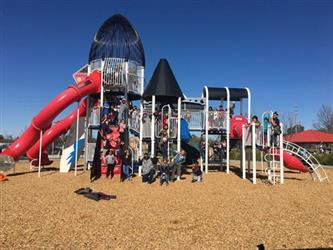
pixel 148 170
pixel 165 172
pixel 110 163
pixel 179 159
pixel 164 141
pixel 196 173
pixel 127 161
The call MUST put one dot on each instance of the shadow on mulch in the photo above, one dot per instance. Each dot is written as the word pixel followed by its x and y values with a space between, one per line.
pixel 261 176
pixel 48 171
pixel 34 171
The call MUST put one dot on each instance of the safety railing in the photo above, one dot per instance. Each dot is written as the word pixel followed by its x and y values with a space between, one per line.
pixel 217 119
pixel 317 171
pixel 114 74
pixel 194 118
pixel 146 123
pixel 134 121
pixel 135 79
pixel 120 75
pixel 172 127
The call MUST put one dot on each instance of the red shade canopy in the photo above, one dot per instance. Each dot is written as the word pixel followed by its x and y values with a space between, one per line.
pixel 310 136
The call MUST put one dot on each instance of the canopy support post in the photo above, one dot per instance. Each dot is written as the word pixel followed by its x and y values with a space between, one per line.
pixel 243 153
pixel 228 130
pixel 153 127
pixel 178 119
pixel 248 105
pixel 254 159
pixel 281 156
pixel 141 115
pixel 206 127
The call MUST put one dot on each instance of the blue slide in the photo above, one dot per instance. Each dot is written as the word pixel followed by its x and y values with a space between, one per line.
pixel 192 154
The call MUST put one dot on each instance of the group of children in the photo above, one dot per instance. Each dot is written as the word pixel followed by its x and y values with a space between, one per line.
pixel 166 170
pixel 113 133
pixel 274 124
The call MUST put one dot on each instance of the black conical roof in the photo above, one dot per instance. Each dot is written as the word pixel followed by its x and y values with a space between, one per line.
pixel 117 38
pixel 163 84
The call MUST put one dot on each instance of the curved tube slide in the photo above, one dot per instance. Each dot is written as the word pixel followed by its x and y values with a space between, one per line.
pixel 43 120
pixel 54 132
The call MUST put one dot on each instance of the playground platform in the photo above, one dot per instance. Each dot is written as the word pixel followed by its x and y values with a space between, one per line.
pixel 223 212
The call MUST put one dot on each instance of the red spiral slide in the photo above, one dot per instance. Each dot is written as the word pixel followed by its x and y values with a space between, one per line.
pixel 43 120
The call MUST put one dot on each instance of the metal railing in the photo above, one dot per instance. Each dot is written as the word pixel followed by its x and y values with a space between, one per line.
pixel 217 119
pixel 134 121
pixel 194 118
pixel 114 73
pixel 120 74
pixel 172 128
pixel 317 171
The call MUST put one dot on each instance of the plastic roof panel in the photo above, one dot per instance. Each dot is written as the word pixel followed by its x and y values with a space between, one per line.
pixel 117 38
pixel 216 94
pixel 163 84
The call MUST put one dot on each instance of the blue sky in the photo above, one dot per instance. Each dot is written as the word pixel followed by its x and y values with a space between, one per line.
pixel 282 50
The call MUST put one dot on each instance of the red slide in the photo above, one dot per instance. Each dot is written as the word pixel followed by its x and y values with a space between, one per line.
pixel 292 162
pixel 43 120
pixel 54 132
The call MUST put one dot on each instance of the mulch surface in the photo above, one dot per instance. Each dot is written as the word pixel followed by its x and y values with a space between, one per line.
pixel 223 212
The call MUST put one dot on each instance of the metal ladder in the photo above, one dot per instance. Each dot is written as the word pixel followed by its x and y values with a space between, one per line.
pixel 316 170
pixel 271 159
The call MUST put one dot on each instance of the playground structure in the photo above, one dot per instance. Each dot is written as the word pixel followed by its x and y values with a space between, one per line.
pixel 113 77
pixel 284 154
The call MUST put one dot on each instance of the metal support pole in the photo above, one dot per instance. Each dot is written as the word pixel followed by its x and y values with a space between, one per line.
pixel 152 127
pixel 254 160
pixel 243 153
pixel 168 122
pixel 248 105
pixel 206 128
pixel 77 139
pixel 86 122
pixel 228 129
pixel 141 113
pixel 40 152
pixel 178 120
pixel 141 130
pixel 281 156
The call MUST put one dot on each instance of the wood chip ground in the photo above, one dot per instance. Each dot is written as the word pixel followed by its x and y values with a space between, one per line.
pixel 223 212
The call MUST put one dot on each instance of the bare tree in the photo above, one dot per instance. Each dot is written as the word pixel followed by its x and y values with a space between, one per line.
pixel 288 121
pixel 324 119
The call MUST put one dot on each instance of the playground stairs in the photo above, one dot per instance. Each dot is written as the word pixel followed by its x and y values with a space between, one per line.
pixel 272 158
pixel 316 170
